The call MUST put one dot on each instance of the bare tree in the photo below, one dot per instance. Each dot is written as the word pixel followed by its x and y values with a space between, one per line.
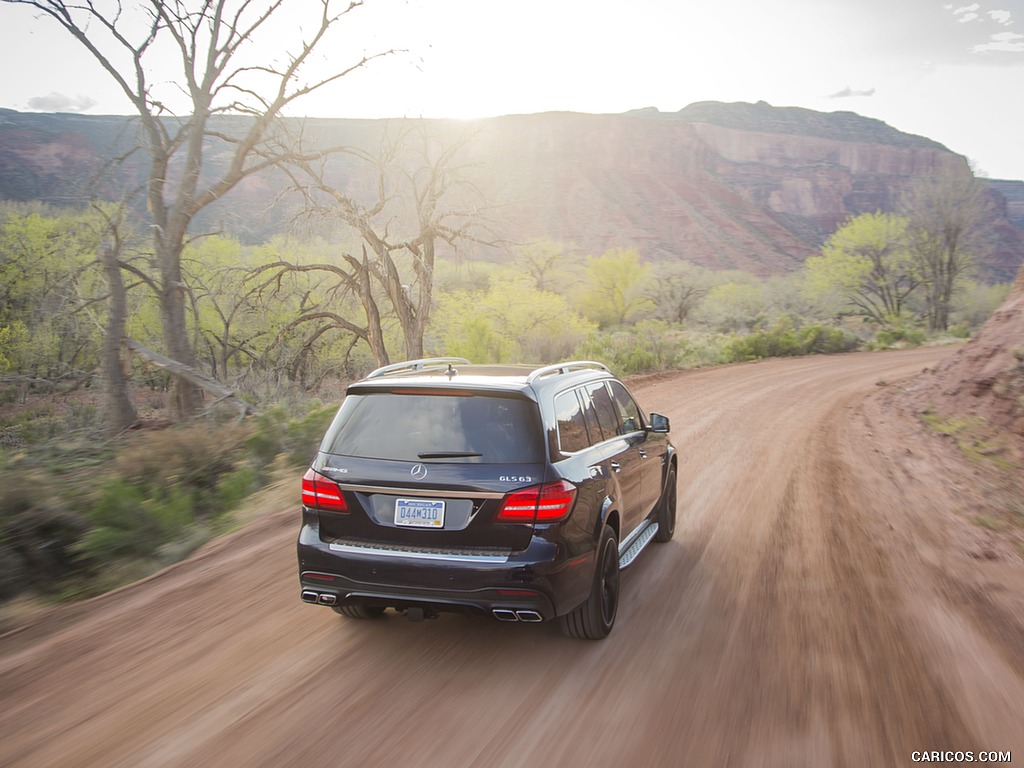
pixel 340 282
pixel 678 289
pixel 550 265
pixel 121 411
pixel 413 210
pixel 945 236
pixel 221 74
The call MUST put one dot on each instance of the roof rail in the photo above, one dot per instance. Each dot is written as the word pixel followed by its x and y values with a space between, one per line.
pixel 417 365
pixel 559 368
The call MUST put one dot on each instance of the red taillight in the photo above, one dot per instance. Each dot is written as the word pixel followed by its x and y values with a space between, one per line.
pixel 546 503
pixel 318 492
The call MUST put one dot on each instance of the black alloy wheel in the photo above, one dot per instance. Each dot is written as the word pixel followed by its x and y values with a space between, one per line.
pixel 667 510
pixel 595 617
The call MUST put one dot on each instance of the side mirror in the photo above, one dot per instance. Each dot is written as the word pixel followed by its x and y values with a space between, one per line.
pixel 659 423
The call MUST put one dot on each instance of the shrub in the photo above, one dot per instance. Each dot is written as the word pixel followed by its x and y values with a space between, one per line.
pixel 234 486
pixel 296 438
pixel 761 344
pixel 116 515
pixel 783 340
pixel 8 395
pixel 702 349
pixel 303 435
pixel 37 537
pixel 43 541
pixel 649 346
pixel 897 337
pixel 190 458
pixel 820 339
pixel 13 573
pixel 128 524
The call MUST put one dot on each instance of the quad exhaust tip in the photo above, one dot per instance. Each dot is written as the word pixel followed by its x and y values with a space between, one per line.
pixel 507 614
pixel 418 614
pixel 319 598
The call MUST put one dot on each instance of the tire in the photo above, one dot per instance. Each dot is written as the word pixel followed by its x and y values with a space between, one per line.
pixel 359 611
pixel 595 617
pixel 667 510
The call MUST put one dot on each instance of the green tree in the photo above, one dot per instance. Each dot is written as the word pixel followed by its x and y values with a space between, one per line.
pixel 786 296
pixel 66 301
pixel 734 305
pixel 867 263
pixel 615 288
pixel 48 284
pixel 510 322
pixel 14 344
pixel 228 313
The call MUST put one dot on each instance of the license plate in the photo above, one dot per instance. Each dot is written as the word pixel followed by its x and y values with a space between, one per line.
pixel 419 513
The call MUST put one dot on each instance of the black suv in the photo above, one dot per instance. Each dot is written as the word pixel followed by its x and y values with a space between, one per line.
pixel 511 490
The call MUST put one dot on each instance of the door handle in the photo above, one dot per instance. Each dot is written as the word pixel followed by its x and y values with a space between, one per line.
pixel 643 454
pixel 616 466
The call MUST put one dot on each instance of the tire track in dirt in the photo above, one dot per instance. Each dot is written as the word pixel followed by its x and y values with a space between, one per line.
pixel 963 615
pixel 894 690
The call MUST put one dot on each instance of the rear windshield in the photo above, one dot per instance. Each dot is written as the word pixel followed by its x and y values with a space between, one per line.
pixel 474 428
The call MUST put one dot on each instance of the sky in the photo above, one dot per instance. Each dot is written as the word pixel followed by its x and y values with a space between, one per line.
pixel 950 71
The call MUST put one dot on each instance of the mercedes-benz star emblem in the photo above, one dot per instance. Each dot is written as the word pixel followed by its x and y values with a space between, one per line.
pixel 419 472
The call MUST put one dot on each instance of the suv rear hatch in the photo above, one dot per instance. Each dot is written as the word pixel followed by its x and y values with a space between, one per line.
pixel 433 469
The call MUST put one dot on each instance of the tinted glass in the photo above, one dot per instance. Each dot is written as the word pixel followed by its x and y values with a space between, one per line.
pixel 419 427
pixel 605 412
pixel 572 427
pixel 629 418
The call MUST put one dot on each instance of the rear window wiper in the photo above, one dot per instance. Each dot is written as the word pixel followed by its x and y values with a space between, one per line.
pixel 449 455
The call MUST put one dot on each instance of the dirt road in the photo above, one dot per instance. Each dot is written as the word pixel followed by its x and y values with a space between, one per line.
pixel 808 613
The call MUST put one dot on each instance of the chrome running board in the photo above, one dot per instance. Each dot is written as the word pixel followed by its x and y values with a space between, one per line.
pixel 636 543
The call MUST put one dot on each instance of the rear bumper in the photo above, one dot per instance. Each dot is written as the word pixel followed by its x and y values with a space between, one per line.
pixel 542 579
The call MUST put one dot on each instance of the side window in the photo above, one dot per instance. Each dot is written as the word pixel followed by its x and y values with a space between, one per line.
pixel 629 418
pixel 603 410
pixel 572 426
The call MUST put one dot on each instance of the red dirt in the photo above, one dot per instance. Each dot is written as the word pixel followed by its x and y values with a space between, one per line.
pixel 985 380
pixel 826 601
